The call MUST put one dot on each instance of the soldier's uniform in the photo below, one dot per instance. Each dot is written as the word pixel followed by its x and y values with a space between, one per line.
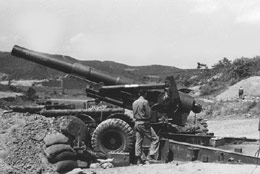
pixel 240 92
pixel 141 111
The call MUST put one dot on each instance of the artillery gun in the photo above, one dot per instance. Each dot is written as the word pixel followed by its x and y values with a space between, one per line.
pixel 164 98
pixel 170 105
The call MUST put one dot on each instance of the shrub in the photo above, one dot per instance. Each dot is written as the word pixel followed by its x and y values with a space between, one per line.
pixel 206 90
pixel 211 88
pixel 233 81
pixel 242 67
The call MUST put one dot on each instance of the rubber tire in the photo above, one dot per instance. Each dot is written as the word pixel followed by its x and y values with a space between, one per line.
pixel 115 128
pixel 125 117
pixel 58 138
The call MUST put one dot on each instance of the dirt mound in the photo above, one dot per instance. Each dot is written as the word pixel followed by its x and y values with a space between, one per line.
pixel 251 88
pixel 22 141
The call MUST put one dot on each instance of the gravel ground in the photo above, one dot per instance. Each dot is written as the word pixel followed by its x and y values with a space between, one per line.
pixel 235 128
pixel 182 168
pixel 21 139
pixel 20 127
pixel 9 94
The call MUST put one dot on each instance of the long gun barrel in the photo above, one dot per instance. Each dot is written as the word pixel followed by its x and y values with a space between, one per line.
pixel 77 69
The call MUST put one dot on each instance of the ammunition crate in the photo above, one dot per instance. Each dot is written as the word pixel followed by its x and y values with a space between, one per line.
pixel 120 159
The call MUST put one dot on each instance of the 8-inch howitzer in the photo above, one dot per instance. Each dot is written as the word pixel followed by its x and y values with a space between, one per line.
pixel 170 105
pixel 120 91
pixel 114 132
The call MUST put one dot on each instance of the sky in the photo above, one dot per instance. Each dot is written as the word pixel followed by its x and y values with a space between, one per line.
pixel 176 33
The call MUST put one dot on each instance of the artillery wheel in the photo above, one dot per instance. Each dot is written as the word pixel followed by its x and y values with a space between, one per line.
pixel 113 135
pixel 125 117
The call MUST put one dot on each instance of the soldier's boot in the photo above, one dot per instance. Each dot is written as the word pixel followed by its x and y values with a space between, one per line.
pixel 139 161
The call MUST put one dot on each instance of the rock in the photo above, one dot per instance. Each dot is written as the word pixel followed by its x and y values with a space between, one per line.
pixel 83 164
pixel 76 171
pixel 107 165
pixel 94 166
pixel 3 153
pixel 109 160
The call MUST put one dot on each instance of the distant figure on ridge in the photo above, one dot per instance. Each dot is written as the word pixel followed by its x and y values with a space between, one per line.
pixel 240 92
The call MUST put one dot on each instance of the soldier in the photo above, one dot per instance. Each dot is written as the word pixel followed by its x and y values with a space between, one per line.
pixel 240 92
pixel 141 111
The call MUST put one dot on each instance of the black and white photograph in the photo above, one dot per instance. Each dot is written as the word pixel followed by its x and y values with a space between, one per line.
pixel 129 86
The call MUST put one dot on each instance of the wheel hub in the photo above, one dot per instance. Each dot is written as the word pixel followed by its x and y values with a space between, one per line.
pixel 112 140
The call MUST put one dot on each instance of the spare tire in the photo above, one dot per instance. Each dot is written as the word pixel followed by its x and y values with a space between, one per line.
pixel 113 135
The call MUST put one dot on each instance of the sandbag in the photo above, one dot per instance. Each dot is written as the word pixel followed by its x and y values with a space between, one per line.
pixel 57 138
pixel 55 149
pixel 66 155
pixel 66 166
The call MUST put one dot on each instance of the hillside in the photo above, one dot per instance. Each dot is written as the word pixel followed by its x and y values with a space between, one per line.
pixel 250 85
pixel 17 68
pixel 210 81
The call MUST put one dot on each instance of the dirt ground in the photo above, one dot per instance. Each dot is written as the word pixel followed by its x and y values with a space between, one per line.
pixel 232 128
pixel 235 128
pixel 182 168
pixel 21 149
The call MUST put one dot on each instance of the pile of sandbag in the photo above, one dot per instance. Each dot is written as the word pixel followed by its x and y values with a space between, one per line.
pixel 31 143
pixel 59 152
pixel 67 149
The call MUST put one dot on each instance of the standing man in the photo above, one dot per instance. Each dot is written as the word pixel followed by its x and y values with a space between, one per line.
pixel 142 111
pixel 240 92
